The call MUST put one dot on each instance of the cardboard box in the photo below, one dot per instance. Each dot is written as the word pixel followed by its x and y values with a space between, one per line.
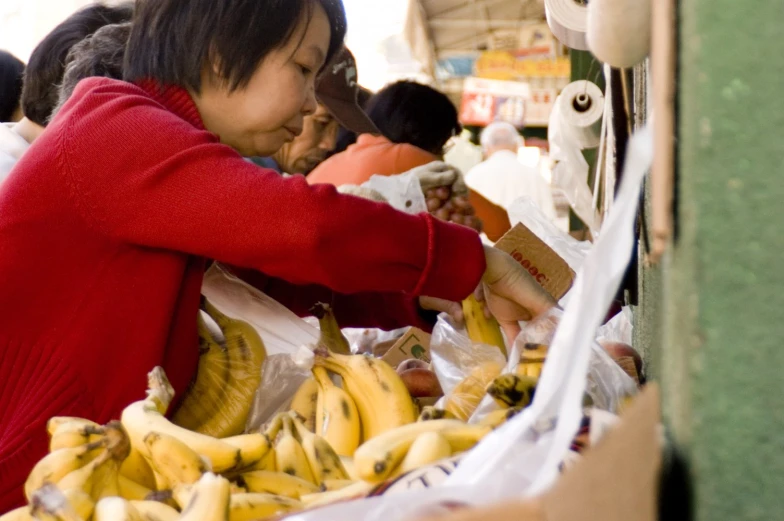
pixel 541 261
pixel 617 480
pixel 414 343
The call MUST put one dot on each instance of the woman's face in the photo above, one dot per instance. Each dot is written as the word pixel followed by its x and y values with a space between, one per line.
pixel 258 119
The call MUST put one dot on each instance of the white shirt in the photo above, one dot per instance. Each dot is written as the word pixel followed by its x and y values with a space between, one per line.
pixel 12 147
pixel 502 179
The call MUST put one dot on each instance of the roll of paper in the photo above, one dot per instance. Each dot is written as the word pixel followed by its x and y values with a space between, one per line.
pixel 581 106
pixel 568 21
pixel 618 32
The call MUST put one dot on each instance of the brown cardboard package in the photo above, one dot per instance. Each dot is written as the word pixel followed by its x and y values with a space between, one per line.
pixel 617 480
pixel 541 261
pixel 414 343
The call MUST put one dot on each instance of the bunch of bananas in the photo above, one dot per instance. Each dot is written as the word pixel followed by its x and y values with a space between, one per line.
pixel 146 468
pixel 371 400
pixel 229 372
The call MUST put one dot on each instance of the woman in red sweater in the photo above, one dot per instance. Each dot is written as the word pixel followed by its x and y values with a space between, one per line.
pixel 108 222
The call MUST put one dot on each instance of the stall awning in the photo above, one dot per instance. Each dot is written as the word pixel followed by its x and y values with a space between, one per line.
pixel 438 29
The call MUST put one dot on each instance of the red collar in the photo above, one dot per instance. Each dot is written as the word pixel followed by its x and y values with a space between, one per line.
pixel 175 99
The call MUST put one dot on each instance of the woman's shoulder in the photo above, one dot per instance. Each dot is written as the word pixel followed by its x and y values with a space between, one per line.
pixel 106 102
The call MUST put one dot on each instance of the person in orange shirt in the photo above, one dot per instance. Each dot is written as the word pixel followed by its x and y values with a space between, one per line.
pixel 415 123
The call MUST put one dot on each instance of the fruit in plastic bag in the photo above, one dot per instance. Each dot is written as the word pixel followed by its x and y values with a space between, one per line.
pixel 466 396
pixel 511 390
pixel 220 399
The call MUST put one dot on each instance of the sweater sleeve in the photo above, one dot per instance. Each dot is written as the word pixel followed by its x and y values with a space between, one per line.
pixel 370 309
pixel 140 174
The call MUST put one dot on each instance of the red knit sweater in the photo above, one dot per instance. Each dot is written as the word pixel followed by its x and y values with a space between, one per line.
pixel 105 225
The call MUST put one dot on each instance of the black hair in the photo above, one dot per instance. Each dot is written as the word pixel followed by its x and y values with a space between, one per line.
pixel 45 70
pixel 409 112
pixel 98 55
pixel 11 70
pixel 172 40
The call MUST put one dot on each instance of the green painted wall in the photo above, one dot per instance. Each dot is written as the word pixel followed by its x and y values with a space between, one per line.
pixel 722 363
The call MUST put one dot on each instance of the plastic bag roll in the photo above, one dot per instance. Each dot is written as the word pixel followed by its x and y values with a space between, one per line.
pixel 581 106
pixel 568 22
pixel 618 32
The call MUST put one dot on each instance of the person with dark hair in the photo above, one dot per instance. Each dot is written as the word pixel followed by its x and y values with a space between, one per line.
pixel 11 70
pixel 110 220
pixel 12 146
pixel 44 73
pixel 415 122
pixel 99 55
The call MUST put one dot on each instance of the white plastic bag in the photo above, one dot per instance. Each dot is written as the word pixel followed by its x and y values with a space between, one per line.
pixel 403 191
pixel 281 330
pixel 619 328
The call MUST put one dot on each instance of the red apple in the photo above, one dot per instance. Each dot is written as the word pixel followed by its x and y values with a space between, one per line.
pixel 618 350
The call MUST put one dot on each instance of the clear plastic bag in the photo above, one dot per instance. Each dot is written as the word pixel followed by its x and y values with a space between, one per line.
pixel 284 334
pixel 454 358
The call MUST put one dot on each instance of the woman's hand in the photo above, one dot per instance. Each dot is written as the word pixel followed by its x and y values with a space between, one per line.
pixel 453 309
pixel 511 293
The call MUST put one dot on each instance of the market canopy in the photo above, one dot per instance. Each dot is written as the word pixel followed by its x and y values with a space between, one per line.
pixel 440 29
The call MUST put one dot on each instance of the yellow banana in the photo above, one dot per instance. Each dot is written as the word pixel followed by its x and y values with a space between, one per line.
pixel 56 465
pixel 510 390
pixel 480 329
pixel 379 457
pixel 291 457
pixel 130 489
pixel 356 490
pixel 253 447
pixel 48 503
pixel 336 484
pixel 252 506
pixel 498 417
pixel 337 418
pixel 137 469
pixel 348 464
pixel 74 433
pixel 380 395
pixel 115 509
pixel 430 412
pixel 246 357
pixel 427 448
pixel 530 368
pixel 269 460
pixel 331 337
pixel 465 397
pixel 304 402
pixel 143 417
pixel 207 392
pixel 278 483
pixel 18 514
pixel 155 511
pixel 55 422
pixel 532 360
pixel 207 500
pixel 173 459
pixel 324 461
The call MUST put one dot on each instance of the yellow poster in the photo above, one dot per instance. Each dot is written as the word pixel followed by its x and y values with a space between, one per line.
pixel 505 65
